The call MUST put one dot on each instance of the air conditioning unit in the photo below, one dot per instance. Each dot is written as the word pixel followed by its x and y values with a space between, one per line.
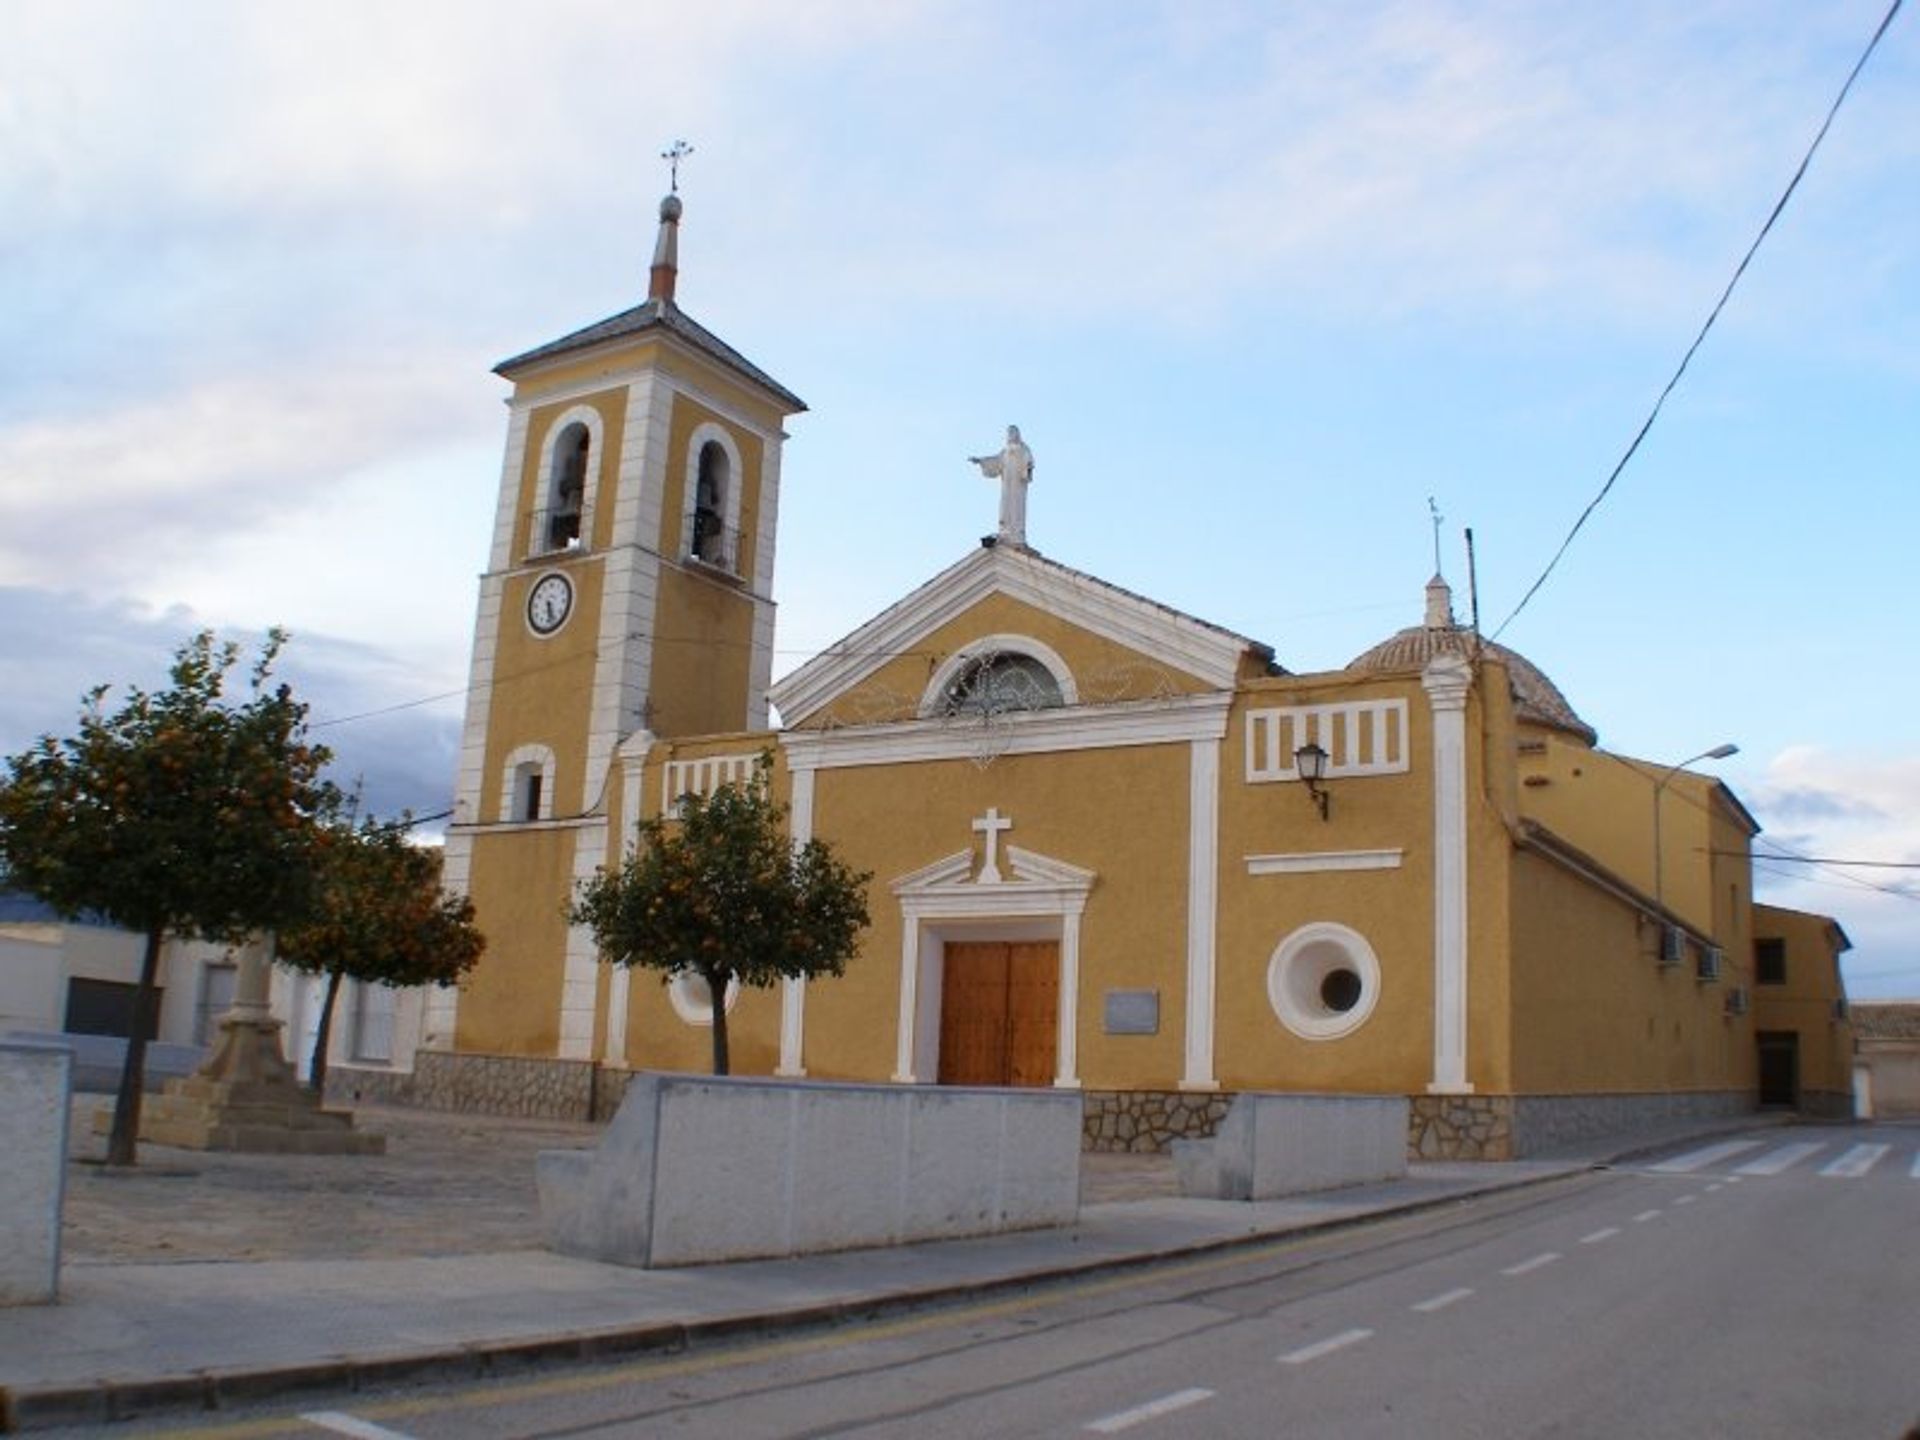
pixel 1737 1000
pixel 1710 961
pixel 1673 945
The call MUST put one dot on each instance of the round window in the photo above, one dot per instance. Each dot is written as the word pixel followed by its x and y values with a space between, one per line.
pixel 693 1000
pixel 1323 981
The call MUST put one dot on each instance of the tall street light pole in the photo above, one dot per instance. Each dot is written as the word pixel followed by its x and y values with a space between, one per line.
pixel 1718 752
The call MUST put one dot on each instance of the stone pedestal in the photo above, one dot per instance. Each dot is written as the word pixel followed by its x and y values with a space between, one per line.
pixel 246 1097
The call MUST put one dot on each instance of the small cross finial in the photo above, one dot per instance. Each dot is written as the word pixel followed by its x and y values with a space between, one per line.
pixel 673 155
pixel 1438 519
pixel 991 825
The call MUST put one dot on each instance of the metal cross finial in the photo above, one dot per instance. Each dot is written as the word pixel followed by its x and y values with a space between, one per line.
pixel 673 155
pixel 1438 518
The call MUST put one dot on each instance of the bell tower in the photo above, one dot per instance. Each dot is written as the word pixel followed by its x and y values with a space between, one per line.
pixel 628 589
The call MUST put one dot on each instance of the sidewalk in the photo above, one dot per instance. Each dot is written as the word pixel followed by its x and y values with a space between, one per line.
pixel 269 1315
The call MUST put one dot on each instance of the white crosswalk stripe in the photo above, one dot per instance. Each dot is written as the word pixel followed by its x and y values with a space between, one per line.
pixel 1699 1159
pixel 1774 1161
pixel 1915 1172
pixel 1856 1162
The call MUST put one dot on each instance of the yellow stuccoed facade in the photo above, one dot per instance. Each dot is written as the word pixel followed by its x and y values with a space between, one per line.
pixel 1024 755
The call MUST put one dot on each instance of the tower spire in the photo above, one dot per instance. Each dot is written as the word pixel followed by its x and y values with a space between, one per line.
pixel 666 249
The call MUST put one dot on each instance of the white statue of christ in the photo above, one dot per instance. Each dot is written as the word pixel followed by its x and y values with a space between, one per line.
pixel 1013 468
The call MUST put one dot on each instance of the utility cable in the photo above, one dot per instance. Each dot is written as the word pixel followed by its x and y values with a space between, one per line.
pixel 1713 315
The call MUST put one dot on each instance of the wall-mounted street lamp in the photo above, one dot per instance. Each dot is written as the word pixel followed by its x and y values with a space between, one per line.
pixel 1310 763
pixel 1718 752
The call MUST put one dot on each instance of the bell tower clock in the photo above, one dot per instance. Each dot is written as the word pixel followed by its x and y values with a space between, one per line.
pixel 627 596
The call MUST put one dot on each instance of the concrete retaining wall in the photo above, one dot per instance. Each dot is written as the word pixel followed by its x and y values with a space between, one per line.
pixel 695 1169
pixel 36 1088
pixel 1270 1145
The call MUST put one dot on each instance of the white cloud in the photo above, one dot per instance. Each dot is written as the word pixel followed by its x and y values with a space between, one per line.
pixel 146 482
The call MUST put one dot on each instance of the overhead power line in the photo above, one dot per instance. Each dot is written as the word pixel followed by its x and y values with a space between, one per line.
pixel 1712 315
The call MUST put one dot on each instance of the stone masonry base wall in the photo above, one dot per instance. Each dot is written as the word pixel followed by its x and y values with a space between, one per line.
pixel 1439 1127
pixel 1512 1127
pixel 512 1085
pixel 1149 1121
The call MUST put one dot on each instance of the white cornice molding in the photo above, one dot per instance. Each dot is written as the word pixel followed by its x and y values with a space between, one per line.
pixel 1186 644
pixel 1034 732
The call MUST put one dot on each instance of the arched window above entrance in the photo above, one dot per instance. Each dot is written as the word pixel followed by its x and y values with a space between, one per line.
pixel 1002 681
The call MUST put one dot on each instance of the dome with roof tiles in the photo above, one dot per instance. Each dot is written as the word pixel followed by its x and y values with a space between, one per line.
pixel 1536 699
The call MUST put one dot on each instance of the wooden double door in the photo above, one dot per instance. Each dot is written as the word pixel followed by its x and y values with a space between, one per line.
pixel 999 1013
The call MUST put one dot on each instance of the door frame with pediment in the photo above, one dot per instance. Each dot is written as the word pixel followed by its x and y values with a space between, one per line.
pixel 944 904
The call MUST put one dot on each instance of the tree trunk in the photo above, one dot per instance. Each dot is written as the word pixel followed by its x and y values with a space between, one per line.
pixel 317 1068
pixel 717 989
pixel 123 1142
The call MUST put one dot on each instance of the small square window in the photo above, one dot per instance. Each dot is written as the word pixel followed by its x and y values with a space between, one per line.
pixel 1770 962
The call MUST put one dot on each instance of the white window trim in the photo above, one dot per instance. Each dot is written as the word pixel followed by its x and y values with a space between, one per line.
pixel 541 755
pixel 588 416
pixel 1318 1023
pixel 934 699
pixel 703 433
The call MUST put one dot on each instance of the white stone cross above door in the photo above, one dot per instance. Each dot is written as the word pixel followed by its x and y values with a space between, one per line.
pixel 991 825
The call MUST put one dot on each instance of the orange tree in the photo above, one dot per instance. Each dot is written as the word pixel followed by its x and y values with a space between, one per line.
pixel 378 916
pixel 719 891
pixel 183 813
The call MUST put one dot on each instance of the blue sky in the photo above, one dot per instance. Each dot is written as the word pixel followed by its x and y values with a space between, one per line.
pixel 1254 280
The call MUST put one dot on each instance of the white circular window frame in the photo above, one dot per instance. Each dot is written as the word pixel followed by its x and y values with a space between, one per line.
pixel 696 1007
pixel 1300 966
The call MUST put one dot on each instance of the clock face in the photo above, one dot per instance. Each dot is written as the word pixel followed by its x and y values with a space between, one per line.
pixel 549 603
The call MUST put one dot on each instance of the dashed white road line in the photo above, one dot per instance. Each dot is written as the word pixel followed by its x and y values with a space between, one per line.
pixel 1646 1215
pixel 1526 1267
pixel 1152 1410
pixel 1915 1172
pixel 1442 1301
pixel 341 1423
pixel 1774 1161
pixel 1685 1199
pixel 1856 1162
pixel 1597 1236
pixel 1325 1347
pixel 1715 1186
pixel 1700 1159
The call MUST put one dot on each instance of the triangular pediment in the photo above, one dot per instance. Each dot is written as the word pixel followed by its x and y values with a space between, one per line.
pixel 1030 873
pixel 1097 631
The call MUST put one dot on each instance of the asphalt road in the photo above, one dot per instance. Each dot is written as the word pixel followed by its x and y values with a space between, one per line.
pixel 1762 1287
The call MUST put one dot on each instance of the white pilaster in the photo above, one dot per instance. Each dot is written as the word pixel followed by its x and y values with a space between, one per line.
pixel 441 1010
pixel 1447 681
pixel 909 1000
pixel 1066 1075
pixel 760 583
pixel 507 511
pixel 633 762
pixel 793 993
pixel 580 979
pixel 1203 850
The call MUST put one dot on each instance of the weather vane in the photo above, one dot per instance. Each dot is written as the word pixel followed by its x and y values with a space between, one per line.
pixel 673 155
pixel 1438 519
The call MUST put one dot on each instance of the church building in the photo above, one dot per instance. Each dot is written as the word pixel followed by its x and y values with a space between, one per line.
pixel 1115 848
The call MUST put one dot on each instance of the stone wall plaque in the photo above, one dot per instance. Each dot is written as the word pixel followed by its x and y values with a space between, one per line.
pixel 1133 1012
